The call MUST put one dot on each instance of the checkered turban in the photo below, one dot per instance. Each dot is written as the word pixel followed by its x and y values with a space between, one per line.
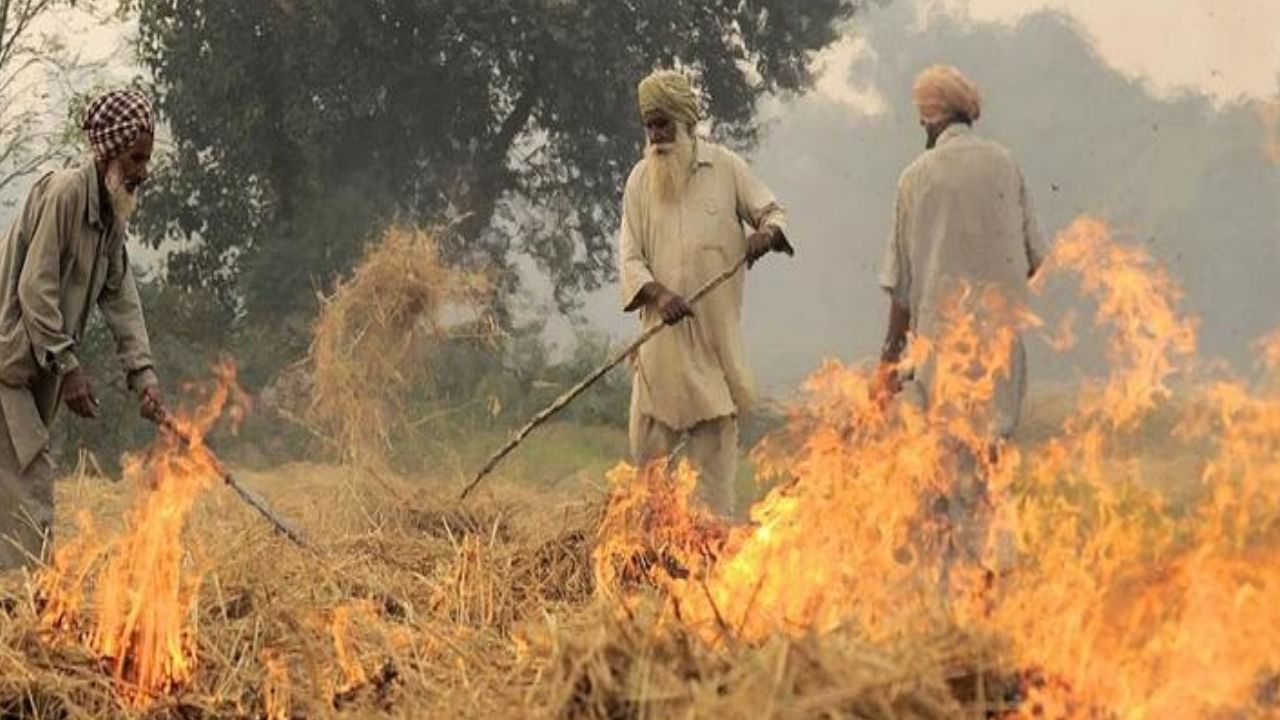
pixel 114 120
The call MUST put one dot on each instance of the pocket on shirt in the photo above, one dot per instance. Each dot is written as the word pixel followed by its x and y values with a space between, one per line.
pixel 711 259
pixel 711 249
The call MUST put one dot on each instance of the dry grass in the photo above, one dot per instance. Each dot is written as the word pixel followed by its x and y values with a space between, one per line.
pixel 419 606
pixel 427 608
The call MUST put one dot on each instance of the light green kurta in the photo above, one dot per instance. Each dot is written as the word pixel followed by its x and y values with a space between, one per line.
pixel 58 259
pixel 696 370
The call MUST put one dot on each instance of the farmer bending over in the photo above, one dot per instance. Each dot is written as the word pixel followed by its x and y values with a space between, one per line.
pixel 64 253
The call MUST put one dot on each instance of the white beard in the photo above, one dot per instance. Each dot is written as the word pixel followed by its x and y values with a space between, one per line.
pixel 123 202
pixel 670 165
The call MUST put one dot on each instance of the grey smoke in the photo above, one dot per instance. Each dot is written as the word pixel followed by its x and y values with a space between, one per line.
pixel 1188 179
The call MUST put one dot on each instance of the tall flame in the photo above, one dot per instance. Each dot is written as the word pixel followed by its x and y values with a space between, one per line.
pixel 1111 599
pixel 142 583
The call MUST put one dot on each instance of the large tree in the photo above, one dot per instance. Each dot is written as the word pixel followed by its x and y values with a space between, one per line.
pixel 35 67
pixel 301 127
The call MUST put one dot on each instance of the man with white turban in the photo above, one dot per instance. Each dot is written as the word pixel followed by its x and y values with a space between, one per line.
pixel 964 222
pixel 683 215
pixel 65 253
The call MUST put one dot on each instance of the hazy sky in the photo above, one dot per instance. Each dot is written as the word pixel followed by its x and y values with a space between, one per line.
pixel 1222 48
pixel 1225 48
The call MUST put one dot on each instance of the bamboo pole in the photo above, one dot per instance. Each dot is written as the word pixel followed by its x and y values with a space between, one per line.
pixel 572 393
pixel 248 496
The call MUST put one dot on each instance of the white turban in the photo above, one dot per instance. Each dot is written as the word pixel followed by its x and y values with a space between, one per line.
pixel 942 92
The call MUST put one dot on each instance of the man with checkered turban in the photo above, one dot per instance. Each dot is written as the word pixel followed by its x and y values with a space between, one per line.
pixel 65 253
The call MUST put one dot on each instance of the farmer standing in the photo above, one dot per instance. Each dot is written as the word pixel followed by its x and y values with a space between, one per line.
pixel 964 221
pixel 64 253
pixel 964 218
pixel 683 212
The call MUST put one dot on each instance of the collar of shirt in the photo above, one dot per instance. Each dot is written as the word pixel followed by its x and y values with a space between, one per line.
pixel 702 153
pixel 93 211
pixel 954 130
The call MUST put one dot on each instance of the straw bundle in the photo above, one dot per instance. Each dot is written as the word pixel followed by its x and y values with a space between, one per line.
pixel 365 354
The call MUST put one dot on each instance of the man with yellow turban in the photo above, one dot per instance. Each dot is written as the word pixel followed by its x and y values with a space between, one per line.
pixel 65 253
pixel 683 215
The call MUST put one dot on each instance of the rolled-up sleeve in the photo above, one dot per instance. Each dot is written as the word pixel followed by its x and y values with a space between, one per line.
pixel 122 309
pixel 757 204
pixel 895 268
pixel 39 285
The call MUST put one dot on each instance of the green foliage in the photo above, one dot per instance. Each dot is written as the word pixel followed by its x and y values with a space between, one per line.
pixel 506 386
pixel 301 127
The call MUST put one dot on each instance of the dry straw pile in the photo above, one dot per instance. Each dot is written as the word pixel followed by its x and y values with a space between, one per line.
pixel 427 608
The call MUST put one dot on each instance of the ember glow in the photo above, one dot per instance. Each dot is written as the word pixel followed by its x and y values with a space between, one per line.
pixel 275 695
pixel 344 646
pixel 1110 596
pixel 142 582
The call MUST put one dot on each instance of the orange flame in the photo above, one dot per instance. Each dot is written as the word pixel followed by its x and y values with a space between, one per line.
pixel 865 473
pixel 1113 601
pixel 1064 337
pixel 344 647
pixel 144 589
pixel 1139 301
pixel 276 689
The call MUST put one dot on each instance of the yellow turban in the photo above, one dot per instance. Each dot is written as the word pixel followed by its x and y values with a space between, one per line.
pixel 942 92
pixel 669 92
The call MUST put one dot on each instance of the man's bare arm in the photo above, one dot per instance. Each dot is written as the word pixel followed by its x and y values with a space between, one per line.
pixel 895 340
pixel 887 382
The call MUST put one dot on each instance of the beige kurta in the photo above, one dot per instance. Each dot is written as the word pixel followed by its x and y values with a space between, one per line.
pixel 58 259
pixel 963 215
pixel 696 370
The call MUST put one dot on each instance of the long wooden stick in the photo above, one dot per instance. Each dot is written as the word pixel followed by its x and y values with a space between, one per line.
pixel 573 392
pixel 248 496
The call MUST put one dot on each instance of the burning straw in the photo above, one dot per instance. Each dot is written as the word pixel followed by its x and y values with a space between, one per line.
pixel 523 604
pixel 366 354
pixel 1109 600
pixel 142 584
